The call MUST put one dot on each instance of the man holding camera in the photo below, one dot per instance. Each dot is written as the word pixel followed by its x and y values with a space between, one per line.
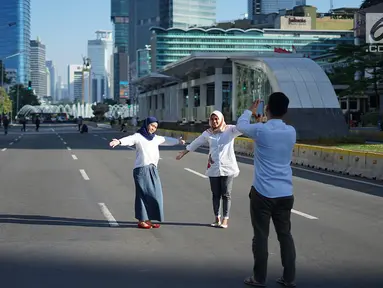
pixel 271 194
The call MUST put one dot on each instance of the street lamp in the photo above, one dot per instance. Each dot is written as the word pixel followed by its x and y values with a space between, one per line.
pixel 2 66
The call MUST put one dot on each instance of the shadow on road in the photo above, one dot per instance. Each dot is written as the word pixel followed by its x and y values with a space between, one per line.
pixel 63 221
pixel 80 269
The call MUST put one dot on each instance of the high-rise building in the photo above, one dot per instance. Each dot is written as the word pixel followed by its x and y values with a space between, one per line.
pixel 256 7
pixel 99 52
pixel 15 31
pixel 58 92
pixel 120 18
pixel 132 22
pixel 75 82
pixel 52 75
pixel 48 77
pixel 187 13
pixel 38 67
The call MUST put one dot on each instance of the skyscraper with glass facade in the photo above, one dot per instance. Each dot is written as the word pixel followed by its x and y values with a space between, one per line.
pixel 15 31
pixel 120 18
pixel 187 13
pixel 256 7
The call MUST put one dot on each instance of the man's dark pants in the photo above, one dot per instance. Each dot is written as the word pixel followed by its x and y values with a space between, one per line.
pixel 279 210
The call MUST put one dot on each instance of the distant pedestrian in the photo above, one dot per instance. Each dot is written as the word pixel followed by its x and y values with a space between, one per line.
pixel 37 122
pixel 5 124
pixel 271 195
pixel 222 165
pixel 149 198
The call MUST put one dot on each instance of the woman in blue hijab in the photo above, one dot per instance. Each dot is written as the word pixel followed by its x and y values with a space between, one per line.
pixel 149 199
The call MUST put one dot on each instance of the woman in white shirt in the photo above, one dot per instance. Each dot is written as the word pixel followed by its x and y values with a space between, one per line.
pixel 149 199
pixel 222 165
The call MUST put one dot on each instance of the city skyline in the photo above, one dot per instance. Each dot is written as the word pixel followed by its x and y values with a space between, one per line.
pixel 70 44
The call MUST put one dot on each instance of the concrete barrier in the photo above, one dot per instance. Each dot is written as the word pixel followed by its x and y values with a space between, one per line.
pixel 357 163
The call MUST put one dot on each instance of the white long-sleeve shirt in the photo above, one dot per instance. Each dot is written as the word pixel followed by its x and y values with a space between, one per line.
pixel 147 152
pixel 221 150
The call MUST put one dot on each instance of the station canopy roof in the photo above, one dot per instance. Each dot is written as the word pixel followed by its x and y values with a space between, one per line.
pixel 198 62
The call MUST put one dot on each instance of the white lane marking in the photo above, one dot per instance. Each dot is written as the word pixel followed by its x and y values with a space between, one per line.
pixel 319 173
pixel 196 173
pixel 64 142
pixel 95 135
pixel 293 211
pixel 160 158
pixel 68 148
pixel 308 216
pixel 339 177
pixel 104 138
pixel 53 129
pixel 3 149
pixel 74 157
pixel 112 221
pixel 11 143
pixel 15 140
pixel 83 174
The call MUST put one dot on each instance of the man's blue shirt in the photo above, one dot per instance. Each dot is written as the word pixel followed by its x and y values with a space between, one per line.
pixel 273 147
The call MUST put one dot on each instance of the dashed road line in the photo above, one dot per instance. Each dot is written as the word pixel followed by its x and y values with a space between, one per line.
pixel 4 149
pixel 68 148
pixel 112 221
pixel 11 143
pixel 104 138
pixel 74 157
pixel 308 216
pixel 196 173
pixel 84 175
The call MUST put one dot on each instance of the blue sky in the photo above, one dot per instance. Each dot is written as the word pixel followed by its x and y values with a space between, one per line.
pixel 65 26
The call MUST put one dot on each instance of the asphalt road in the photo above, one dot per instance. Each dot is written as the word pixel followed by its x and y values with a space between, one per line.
pixel 67 220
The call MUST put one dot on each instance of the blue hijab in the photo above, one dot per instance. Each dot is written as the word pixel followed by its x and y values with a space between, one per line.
pixel 144 128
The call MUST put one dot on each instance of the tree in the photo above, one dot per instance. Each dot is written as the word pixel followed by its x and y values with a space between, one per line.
pixel 357 59
pixel 110 102
pixel 5 102
pixel 99 110
pixel 25 97
pixel 369 3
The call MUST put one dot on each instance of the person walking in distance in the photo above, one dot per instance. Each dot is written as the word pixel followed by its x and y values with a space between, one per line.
pixel 149 198
pixel 271 194
pixel 5 124
pixel 222 165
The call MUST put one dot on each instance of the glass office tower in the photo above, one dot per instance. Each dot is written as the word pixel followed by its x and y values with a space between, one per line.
pixel 15 32
pixel 187 13
pixel 120 18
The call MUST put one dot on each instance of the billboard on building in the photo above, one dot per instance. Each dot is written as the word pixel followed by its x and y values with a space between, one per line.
pixel 295 23
pixel 124 89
